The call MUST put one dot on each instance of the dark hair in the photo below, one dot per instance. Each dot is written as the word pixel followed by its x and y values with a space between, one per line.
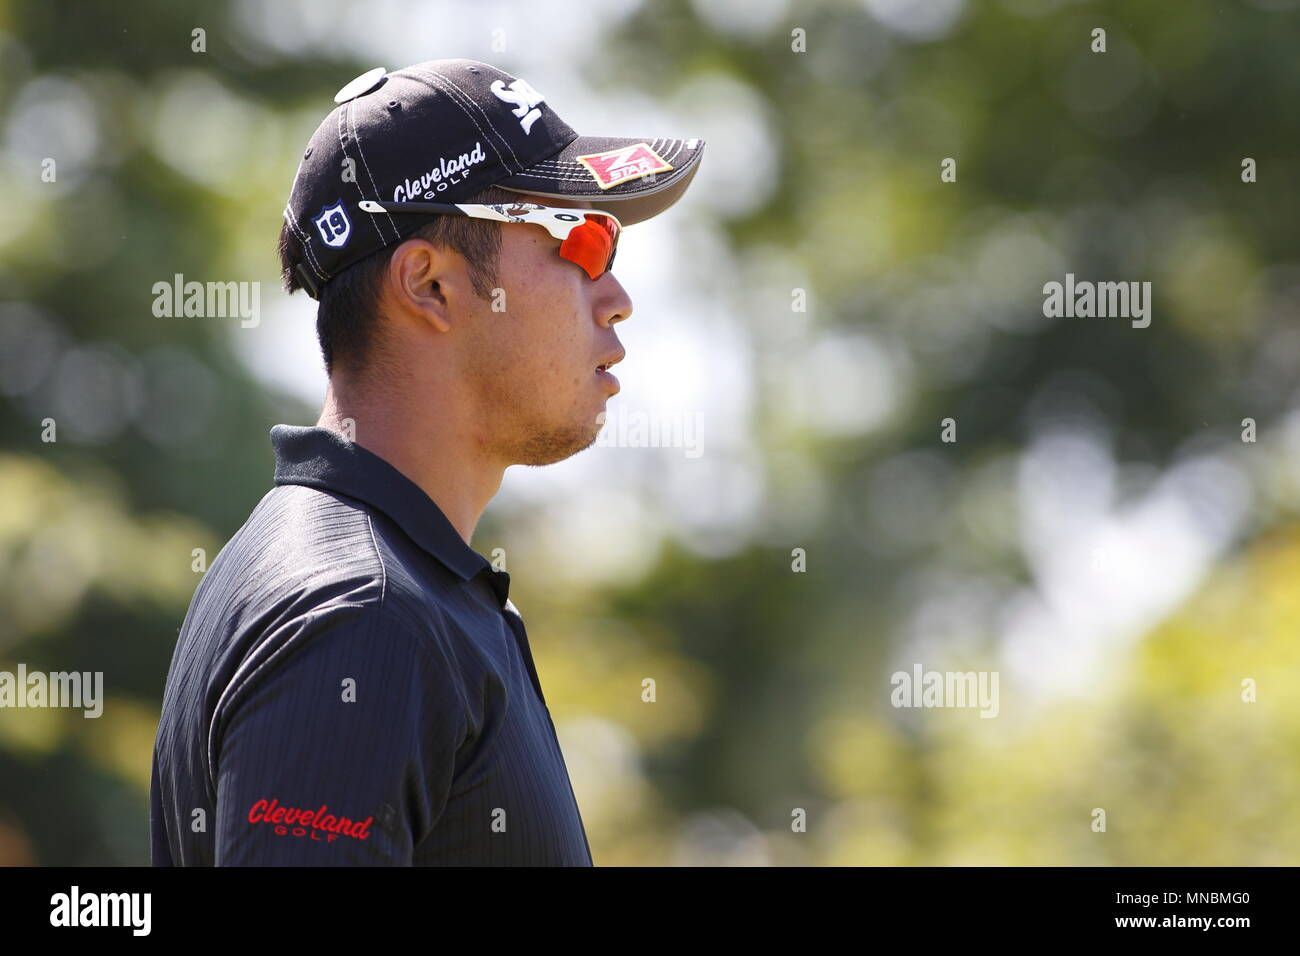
pixel 348 306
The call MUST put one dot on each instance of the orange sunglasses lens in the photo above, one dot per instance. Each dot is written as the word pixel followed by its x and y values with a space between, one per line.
pixel 592 245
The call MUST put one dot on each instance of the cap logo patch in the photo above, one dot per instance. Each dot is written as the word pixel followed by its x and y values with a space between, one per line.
pixel 624 164
pixel 524 98
pixel 333 225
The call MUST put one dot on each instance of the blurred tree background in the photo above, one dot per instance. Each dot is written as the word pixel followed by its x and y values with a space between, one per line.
pixel 1099 534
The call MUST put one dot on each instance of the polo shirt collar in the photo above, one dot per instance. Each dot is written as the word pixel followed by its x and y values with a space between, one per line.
pixel 322 458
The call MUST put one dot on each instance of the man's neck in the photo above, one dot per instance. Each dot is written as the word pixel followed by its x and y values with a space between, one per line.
pixel 437 452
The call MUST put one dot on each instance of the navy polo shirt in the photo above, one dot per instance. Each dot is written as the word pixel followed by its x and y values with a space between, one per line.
pixel 353 685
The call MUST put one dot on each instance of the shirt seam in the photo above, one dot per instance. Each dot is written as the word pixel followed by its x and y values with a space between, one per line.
pixel 242 679
pixel 232 688
pixel 237 683
pixel 383 568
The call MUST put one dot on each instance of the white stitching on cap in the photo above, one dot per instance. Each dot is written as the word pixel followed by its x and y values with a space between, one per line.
pixel 567 162
pixel 352 124
pixel 435 77
pixel 565 165
pixel 574 173
pixel 306 244
pixel 487 119
pixel 584 177
pixel 556 176
pixel 570 172
pixel 340 127
pixel 681 148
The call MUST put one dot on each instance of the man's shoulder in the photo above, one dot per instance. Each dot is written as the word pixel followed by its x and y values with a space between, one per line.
pixel 309 585
pixel 313 525
pixel 310 576
pixel 299 550
pixel 313 532
pixel 304 552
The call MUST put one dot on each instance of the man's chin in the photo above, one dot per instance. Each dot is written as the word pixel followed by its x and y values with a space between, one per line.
pixel 554 447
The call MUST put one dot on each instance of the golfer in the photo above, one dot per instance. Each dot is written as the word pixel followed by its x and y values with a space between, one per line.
pixel 352 684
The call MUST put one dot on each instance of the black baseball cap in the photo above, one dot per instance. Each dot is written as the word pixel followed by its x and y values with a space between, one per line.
pixel 443 130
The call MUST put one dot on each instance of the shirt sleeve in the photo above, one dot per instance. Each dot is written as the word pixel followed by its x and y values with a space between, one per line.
pixel 339 748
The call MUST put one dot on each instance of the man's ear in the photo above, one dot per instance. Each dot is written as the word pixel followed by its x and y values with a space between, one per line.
pixel 419 279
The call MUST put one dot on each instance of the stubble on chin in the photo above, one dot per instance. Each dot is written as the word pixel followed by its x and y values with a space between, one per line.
pixel 527 430
pixel 546 446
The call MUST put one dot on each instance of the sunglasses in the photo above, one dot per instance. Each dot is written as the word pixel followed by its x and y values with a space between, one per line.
pixel 589 237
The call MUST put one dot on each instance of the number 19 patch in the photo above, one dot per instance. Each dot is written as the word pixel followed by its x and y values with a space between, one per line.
pixel 333 225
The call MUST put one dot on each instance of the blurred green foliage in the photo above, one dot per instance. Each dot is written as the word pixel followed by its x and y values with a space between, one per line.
pixel 772 686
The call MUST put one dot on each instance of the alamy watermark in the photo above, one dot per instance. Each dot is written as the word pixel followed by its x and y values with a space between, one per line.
pixel 624 429
pixel 1102 300
pixel 208 300
pixel 25 688
pixel 76 908
pixel 922 688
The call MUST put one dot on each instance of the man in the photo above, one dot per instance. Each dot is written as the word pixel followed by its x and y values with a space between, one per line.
pixel 352 684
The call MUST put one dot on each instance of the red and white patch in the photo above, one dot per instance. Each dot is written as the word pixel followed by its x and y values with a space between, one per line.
pixel 624 164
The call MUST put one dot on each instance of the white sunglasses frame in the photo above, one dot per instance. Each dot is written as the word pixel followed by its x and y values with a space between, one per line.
pixel 559 221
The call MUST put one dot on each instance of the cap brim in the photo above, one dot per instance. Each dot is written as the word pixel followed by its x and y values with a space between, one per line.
pixel 645 188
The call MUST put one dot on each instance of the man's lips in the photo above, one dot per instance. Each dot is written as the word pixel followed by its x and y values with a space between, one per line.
pixel 613 358
pixel 602 370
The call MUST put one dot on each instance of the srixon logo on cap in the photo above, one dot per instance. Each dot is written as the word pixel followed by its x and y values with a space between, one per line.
pixel 624 164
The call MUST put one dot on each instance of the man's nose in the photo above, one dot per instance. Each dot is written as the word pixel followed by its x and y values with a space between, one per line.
pixel 613 304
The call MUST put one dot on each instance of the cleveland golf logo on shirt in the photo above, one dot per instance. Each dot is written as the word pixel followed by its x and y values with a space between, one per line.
pixel 291 821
